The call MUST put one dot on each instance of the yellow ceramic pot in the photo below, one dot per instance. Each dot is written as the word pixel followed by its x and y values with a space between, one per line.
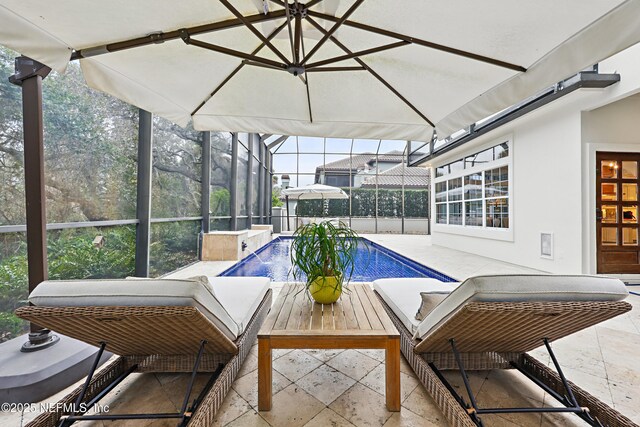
pixel 325 290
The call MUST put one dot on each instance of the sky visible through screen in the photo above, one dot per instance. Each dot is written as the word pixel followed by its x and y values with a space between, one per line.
pixel 299 157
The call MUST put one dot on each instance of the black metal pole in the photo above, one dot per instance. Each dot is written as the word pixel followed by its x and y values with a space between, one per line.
pixel 29 74
pixel 94 366
pixel 463 373
pixel 286 200
pixel 205 190
pixel 249 178
pixel 143 205
pixel 260 188
pixel 206 182
pixel 233 185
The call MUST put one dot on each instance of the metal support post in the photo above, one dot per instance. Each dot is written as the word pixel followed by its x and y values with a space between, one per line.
pixel 233 185
pixel 143 204
pixel 249 178
pixel 268 187
pixel 260 188
pixel 29 74
pixel 205 187
pixel 286 200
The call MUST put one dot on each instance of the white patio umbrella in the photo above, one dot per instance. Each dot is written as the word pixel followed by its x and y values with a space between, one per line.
pixel 312 192
pixel 380 69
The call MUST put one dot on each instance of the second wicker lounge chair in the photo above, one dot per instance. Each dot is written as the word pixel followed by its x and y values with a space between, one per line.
pixel 491 322
pixel 154 325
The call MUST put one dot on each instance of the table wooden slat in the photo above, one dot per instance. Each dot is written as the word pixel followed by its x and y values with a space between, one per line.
pixel 316 317
pixel 306 312
pixel 338 317
pixel 267 326
pixel 327 317
pixel 372 316
pixel 295 316
pixel 285 312
pixel 358 310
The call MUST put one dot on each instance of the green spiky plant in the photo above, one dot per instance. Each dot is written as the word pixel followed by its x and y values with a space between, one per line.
pixel 324 250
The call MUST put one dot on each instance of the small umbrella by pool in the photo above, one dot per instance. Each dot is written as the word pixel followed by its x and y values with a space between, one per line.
pixel 313 192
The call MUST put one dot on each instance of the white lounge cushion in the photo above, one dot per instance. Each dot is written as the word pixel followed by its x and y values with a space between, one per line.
pixel 512 288
pixel 403 296
pixel 240 296
pixel 160 292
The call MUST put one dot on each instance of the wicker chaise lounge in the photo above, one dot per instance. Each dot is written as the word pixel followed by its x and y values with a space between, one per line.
pixel 491 322
pixel 154 325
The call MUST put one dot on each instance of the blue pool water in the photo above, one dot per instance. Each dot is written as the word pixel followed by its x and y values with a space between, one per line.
pixel 273 260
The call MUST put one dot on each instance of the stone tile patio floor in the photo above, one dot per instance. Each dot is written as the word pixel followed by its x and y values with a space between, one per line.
pixel 346 387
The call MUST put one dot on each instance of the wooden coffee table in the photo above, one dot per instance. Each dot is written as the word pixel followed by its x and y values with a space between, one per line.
pixel 356 321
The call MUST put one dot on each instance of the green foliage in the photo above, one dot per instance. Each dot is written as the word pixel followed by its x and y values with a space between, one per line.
pixel 220 202
pixel 71 255
pixel 10 326
pixel 276 202
pixel 363 204
pixel 323 250
pixel 173 245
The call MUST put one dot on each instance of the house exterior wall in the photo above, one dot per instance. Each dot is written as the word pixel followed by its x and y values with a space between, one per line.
pixel 553 172
pixel 544 193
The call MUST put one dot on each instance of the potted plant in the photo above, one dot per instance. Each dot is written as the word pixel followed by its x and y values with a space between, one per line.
pixel 324 255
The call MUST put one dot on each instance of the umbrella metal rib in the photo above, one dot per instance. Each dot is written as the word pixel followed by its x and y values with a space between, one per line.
pixel 254 30
pixel 236 70
pixel 357 54
pixel 373 73
pixel 333 29
pixel 420 42
pixel 162 37
pixel 306 82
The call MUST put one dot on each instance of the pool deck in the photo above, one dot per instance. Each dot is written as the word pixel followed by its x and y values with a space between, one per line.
pixel 346 388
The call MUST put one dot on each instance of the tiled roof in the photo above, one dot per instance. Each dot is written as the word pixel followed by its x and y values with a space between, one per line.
pixel 358 162
pixel 391 156
pixel 414 177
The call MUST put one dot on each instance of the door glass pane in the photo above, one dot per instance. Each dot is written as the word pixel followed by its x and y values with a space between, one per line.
pixel 629 236
pixel 629 192
pixel 630 214
pixel 609 214
pixel 609 169
pixel 609 236
pixel 609 191
pixel 629 170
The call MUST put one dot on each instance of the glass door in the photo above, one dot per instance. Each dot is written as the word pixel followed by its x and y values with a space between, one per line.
pixel 617 212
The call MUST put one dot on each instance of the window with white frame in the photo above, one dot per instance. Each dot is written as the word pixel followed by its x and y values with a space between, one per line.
pixel 474 191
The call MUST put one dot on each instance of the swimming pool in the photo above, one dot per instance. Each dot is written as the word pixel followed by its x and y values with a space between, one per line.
pixel 273 260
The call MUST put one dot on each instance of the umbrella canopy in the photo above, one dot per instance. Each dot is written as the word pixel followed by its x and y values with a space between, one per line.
pixel 378 69
pixel 315 191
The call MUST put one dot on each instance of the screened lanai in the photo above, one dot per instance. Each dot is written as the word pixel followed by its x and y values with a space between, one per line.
pixel 135 134
pixel 385 195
